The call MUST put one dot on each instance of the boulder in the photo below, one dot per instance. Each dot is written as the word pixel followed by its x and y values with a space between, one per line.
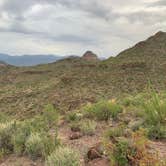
pixel 95 151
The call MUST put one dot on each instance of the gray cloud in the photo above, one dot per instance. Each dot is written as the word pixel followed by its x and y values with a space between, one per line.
pixel 106 26
pixel 159 3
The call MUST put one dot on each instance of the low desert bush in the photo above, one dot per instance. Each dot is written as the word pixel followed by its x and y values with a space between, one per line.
pixel 34 146
pixel 50 115
pixel 40 145
pixel 63 156
pixel 6 131
pixel 88 127
pixel 103 110
pixel 20 136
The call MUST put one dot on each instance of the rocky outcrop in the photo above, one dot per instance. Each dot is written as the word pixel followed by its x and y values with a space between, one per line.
pixel 90 56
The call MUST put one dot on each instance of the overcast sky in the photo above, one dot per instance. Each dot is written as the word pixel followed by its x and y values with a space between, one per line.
pixel 66 27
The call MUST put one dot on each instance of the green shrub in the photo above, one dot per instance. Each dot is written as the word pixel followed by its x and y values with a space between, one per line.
pixel 20 136
pixel 40 145
pixel 63 156
pixel 103 110
pixel 71 117
pixel 6 132
pixel 34 146
pixel 88 127
pixel 50 115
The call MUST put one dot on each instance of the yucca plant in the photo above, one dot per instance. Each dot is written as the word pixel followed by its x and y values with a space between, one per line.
pixel 155 110
pixel 155 116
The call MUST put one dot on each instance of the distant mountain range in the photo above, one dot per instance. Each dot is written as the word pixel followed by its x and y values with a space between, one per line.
pixel 29 60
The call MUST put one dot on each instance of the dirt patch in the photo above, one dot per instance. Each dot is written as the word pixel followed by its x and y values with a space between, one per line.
pixel 83 144
pixel 160 148
pixel 20 161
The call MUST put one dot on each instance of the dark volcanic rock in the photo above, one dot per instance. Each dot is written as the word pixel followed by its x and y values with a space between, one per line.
pixel 75 135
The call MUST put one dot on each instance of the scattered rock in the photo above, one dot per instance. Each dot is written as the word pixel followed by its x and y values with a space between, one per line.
pixel 75 135
pixel 95 152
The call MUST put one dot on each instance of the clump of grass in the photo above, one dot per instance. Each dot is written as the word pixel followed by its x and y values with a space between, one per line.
pixel 3 117
pixel 50 115
pixel 34 146
pixel 63 156
pixel 103 110
pixel 39 145
pixel 88 127
pixel 115 132
pixel 74 116
pixel 22 132
pixel 135 101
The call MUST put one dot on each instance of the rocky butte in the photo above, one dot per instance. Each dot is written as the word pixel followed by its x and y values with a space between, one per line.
pixel 90 56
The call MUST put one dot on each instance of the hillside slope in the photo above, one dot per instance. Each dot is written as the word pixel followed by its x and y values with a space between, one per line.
pixel 74 81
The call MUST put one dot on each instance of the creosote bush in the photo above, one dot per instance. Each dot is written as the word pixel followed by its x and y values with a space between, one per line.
pixel 103 110
pixel 63 156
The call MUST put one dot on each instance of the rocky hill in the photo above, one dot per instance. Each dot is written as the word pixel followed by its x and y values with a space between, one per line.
pixel 90 56
pixel 74 81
